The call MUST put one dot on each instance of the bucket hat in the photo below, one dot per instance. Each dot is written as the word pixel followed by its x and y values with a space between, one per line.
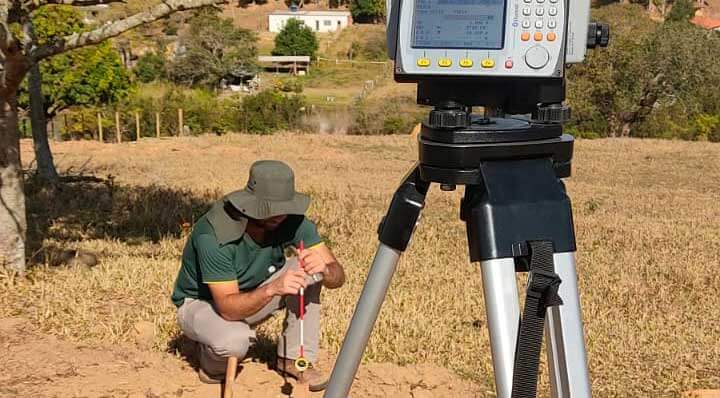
pixel 270 192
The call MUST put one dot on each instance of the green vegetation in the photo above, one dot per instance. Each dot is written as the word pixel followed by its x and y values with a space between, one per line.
pixel 89 76
pixel 214 49
pixel 271 111
pixel 295 39
pixel 654 80
pixel 150 67
pixel 367 11
pixel 394 115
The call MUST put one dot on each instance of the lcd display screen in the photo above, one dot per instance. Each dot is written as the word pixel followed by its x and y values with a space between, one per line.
pixel 471 24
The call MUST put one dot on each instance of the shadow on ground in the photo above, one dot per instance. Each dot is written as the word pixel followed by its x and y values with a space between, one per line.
pixel 81 208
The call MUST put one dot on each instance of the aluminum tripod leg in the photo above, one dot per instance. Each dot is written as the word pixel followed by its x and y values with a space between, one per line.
pixel 363 320
pixel 563 328
pixel 564 336
pixel 503 317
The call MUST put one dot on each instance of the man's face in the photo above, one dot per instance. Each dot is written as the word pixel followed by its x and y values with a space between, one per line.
pixel 271 224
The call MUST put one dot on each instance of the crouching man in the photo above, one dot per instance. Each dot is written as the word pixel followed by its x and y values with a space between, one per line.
pixel 234 274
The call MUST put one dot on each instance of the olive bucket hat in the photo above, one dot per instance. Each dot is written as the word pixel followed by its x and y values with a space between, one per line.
pixel 270 192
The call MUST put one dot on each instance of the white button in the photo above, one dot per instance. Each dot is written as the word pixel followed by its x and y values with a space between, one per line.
pixel 552 11
pixel 553 1
pixel 537 57
pixel 526 11
pixel 528 1
pixel 540 1
pixel 526 24
pixel 272 269
pixel 539 24
pixel 552 24
pixel 539 11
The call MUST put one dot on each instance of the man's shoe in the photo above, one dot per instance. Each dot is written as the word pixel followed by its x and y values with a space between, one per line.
pixel 314 377
pixel 210 379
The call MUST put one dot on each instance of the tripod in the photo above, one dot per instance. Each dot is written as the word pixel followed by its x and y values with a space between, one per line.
pixel 516 211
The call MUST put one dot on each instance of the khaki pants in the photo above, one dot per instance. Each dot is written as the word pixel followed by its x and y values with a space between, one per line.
pixel 220 338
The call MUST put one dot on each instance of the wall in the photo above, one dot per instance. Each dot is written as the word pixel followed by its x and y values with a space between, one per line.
pixel 315 22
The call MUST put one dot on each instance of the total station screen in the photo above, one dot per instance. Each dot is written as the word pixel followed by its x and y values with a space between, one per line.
pixel 471 24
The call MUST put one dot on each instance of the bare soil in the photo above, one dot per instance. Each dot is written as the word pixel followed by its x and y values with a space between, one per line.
pixel 35 364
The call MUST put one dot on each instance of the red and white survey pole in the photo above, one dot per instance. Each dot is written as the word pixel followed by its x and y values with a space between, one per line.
pixel 301 364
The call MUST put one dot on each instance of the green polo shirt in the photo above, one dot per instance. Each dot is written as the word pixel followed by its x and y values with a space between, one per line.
pixel 219 250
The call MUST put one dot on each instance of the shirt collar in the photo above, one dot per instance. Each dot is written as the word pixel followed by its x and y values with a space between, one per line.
pixel 226 229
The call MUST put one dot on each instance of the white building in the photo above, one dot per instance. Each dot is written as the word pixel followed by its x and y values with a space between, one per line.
pixel 318 21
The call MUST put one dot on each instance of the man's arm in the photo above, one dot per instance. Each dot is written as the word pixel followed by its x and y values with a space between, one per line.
pixel 320 259
pixel 234 305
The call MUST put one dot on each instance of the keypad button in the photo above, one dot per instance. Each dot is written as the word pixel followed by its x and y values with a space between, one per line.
pixel 528 1
pixel 553 1
pixel 539 1
pixel 552 24
pixel 526 24
pixel 488 63
pixel 552 11
pixel 551 36
pixel 423 62
pixel 525 36
pixel 539 24
pixel 508 64
pixel 527 11
pixel 538 36
pixel 466 63
pixel 539 11
pixel 444 62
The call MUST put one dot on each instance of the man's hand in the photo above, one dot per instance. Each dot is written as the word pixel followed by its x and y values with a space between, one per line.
pixel 289 283
pixel 313 262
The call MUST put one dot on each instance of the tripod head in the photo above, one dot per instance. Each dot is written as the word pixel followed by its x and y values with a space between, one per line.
pixel 507 55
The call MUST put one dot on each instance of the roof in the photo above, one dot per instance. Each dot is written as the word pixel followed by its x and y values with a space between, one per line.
pixel 314 13
pixel 706 22
pixel 284 58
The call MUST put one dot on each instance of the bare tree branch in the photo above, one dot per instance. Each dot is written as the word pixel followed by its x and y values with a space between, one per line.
pixel 118 27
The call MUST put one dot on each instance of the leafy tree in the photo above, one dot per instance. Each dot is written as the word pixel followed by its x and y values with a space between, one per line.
pixel 654 80
pixel 150 67
pixel 295 39
pixel 367 11
pixel 19 55
pixel 682 10
pixel 214 49
pixel 88 76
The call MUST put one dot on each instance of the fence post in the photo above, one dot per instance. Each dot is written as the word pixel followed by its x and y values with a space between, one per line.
pixel 137 126
pixel 100 128
pixel 117 127
pixel 181 123
pixel 157 124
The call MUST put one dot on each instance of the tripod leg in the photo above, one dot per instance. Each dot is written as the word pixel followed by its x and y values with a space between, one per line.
pixel 567 359
pixel 503 319
pixel 363 321
pixel 395 233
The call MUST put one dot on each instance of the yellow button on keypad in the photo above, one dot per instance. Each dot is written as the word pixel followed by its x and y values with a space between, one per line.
pixel 445 62
pixel 488 63
pixel 423 62
pixel 466 63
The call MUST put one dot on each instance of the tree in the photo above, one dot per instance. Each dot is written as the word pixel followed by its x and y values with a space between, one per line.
pixel 295 39
pixel 214 49
pixel 682 10
pixel 367 11
pixel 88 76
pixel 18 53
pixel 150 67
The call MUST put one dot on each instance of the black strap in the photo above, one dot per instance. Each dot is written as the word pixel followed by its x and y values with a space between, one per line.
pixel 542 292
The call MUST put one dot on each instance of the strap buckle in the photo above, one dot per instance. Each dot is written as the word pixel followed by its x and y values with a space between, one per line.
pixel 544 285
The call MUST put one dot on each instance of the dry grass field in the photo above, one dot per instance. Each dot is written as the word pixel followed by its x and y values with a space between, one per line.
pixel 647 217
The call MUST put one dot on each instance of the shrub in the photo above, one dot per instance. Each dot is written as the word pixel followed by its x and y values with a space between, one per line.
pixel 394 115
pixel 150 67
pixel 270 111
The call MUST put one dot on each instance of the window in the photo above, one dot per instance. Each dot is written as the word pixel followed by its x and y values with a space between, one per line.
pixel 327 22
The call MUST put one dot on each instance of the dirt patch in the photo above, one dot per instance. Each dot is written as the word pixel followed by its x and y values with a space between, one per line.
pixel 39 365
